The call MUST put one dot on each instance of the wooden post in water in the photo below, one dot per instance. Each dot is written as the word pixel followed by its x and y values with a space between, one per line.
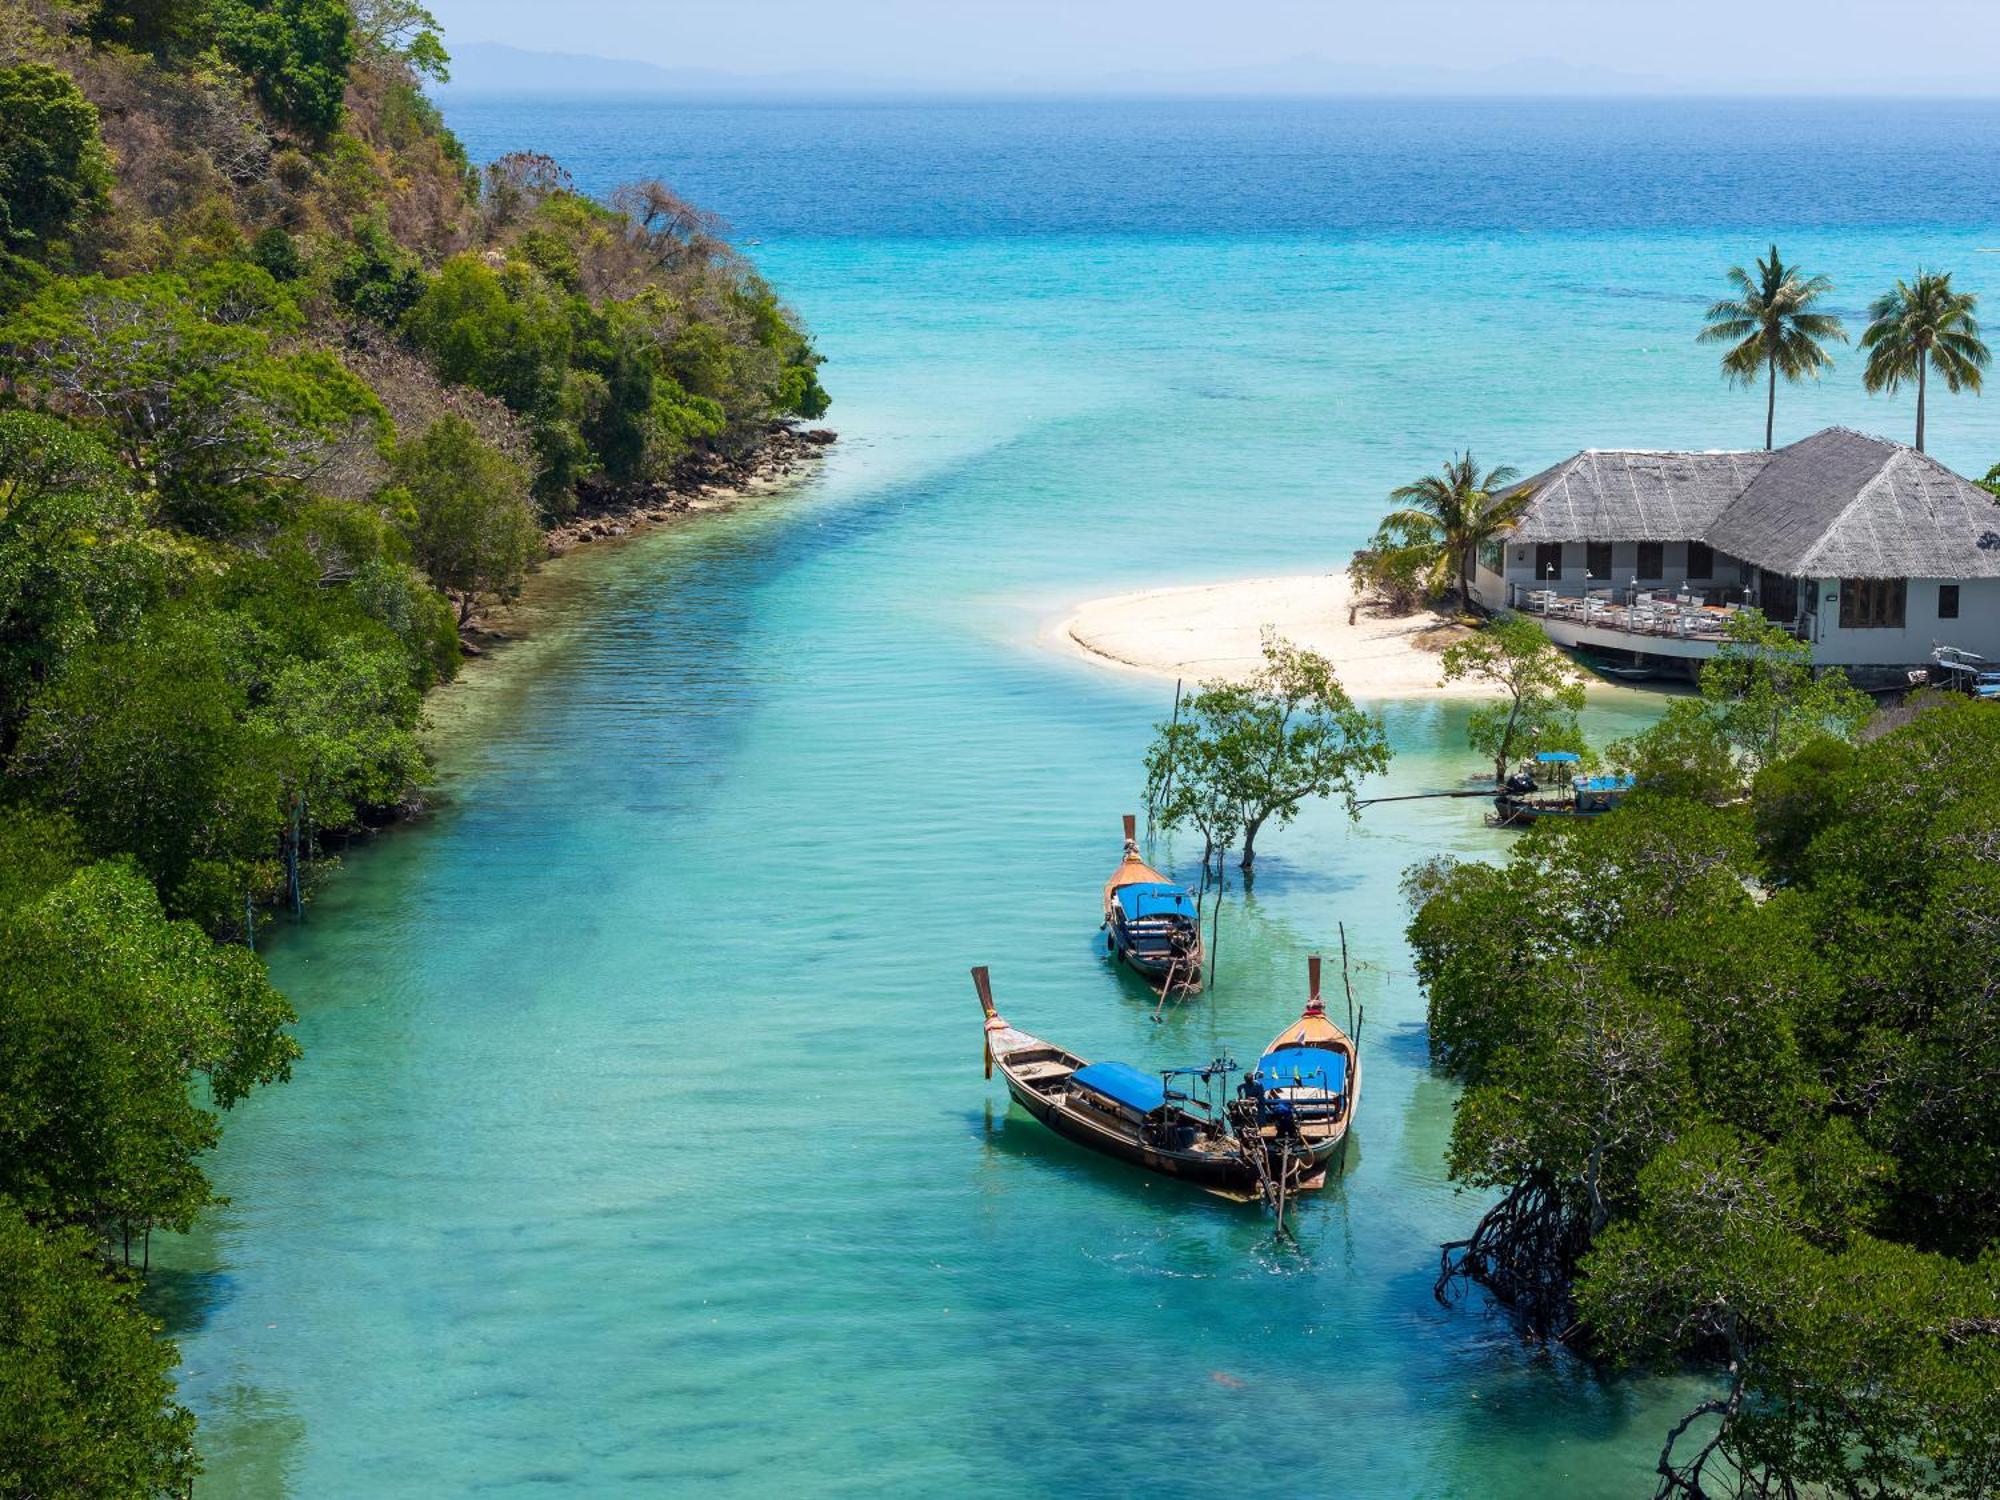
pixel 1166 786
pixel 1347 983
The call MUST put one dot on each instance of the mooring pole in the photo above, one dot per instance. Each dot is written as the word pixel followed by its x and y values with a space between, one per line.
pixel 1167 786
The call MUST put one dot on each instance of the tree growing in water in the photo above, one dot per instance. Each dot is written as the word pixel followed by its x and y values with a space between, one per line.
pixel 1729 1090
pixel 1542 692
pixel 1243 754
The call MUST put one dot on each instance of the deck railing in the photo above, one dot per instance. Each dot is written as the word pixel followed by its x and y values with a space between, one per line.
pixel 1657 614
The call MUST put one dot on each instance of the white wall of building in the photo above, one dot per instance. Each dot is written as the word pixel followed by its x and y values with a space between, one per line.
pixel 1977 627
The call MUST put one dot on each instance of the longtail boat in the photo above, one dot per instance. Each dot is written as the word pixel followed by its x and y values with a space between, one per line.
pixel 1313 1068
pixel 1589 796
pixel 1128 1113
pixel 1154 922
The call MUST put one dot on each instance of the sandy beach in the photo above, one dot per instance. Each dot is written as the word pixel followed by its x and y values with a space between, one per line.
pixel 1215 630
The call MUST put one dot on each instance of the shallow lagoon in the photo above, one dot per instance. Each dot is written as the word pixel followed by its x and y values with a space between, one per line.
pixel 641 1142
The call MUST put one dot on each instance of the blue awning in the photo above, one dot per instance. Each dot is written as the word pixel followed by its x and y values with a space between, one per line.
pixel 1303 1068
pixel 1603 783
pixel 1556 757
pixel 1155 900
pixel 1123 1083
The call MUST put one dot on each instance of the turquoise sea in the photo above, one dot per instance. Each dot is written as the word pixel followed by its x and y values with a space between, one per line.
pixel 641 1144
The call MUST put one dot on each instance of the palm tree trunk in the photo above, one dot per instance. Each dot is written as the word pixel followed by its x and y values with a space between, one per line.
pixel 1923 369
pixel 1771 404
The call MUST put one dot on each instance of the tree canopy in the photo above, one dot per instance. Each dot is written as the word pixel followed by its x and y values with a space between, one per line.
pixel 1923 325
pixel 1244 753
pixel 1728 1089
pixel 1773 328
pixel 1542 692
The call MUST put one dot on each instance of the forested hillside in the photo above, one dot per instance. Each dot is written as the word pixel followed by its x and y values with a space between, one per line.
pixel 287 388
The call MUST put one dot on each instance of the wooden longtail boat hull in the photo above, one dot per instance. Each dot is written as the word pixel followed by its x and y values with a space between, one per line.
pixel 1511 811
pixel 1323 1120
pixel 1183 970
pixel 1037 1073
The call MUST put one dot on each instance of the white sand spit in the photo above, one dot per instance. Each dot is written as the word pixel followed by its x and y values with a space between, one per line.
pixel 1216 630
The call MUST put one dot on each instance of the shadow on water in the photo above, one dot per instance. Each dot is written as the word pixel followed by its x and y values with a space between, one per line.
pixel 184 1298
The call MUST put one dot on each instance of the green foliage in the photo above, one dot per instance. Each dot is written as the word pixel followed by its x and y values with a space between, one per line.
pixel 192 382
pixel 1772 329
pixel 54 173
pixel 378 280
pixel 1542 692
pixel 1445 519
pixel 1242 754
pixel 1764 694
pixel 147 744
pixel 1390 575
pixel 1991 483
pixel 88 1404
pixel 1684 754
pixel 472 523
pixel 111 1011
pixel 406 30
pixel 1923 326
pixel 296 51
pixel 78 563
pixel 149 25
pixel 1737 1061
pixel 1761 701
pixel 511 342
pixel 277 255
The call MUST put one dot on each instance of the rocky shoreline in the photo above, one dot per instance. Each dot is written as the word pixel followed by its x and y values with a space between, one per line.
pixel 703 484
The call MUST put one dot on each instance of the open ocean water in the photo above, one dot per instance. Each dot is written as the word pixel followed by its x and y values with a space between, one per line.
pixel 641 1145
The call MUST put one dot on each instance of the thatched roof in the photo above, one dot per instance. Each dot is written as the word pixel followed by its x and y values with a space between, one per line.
pixel 1839 504
pixel 1842 504
pixel 1633 495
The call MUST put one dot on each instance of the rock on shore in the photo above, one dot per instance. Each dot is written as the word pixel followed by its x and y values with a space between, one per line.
pixel 701 484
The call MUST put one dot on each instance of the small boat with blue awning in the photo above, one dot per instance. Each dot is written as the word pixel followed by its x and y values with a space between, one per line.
pixel 1154 923
pixel 1167 1122
pixel 1313 1069
pixel 1589 796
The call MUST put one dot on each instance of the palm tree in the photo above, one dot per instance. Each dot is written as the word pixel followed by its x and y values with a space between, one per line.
pixel 1773 329
pixel 1922 326
pixel 1452 514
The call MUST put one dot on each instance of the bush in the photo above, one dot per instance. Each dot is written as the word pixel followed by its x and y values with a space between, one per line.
pixel 54 172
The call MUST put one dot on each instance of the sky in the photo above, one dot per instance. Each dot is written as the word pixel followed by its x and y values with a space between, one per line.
pixel 1791 46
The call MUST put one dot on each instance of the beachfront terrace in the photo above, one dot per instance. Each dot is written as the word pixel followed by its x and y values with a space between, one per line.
pixel 1578 615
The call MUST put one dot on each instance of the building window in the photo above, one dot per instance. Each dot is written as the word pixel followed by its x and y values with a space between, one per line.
pixel 1493 557
pixel 1548 560
pixel 1652 561
pixel 1872 603
pixel 1947 601
pixel 1597 558
pixel 1701 560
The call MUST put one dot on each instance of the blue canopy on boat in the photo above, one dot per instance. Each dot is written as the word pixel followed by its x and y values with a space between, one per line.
pixel 1555 757
pixel 1155 900
pixel 1604 783
pixel 1123 1083
pixel 1303 1067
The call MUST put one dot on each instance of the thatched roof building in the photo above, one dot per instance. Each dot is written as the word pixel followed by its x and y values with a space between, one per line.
pixel 1839 504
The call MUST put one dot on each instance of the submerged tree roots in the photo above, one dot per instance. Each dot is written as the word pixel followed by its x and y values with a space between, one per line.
pixel 1524 1251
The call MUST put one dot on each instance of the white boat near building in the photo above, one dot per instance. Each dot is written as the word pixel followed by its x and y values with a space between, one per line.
pixel 1875 553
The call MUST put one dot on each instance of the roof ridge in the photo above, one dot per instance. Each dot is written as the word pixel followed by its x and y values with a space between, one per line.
pixel 1861 493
